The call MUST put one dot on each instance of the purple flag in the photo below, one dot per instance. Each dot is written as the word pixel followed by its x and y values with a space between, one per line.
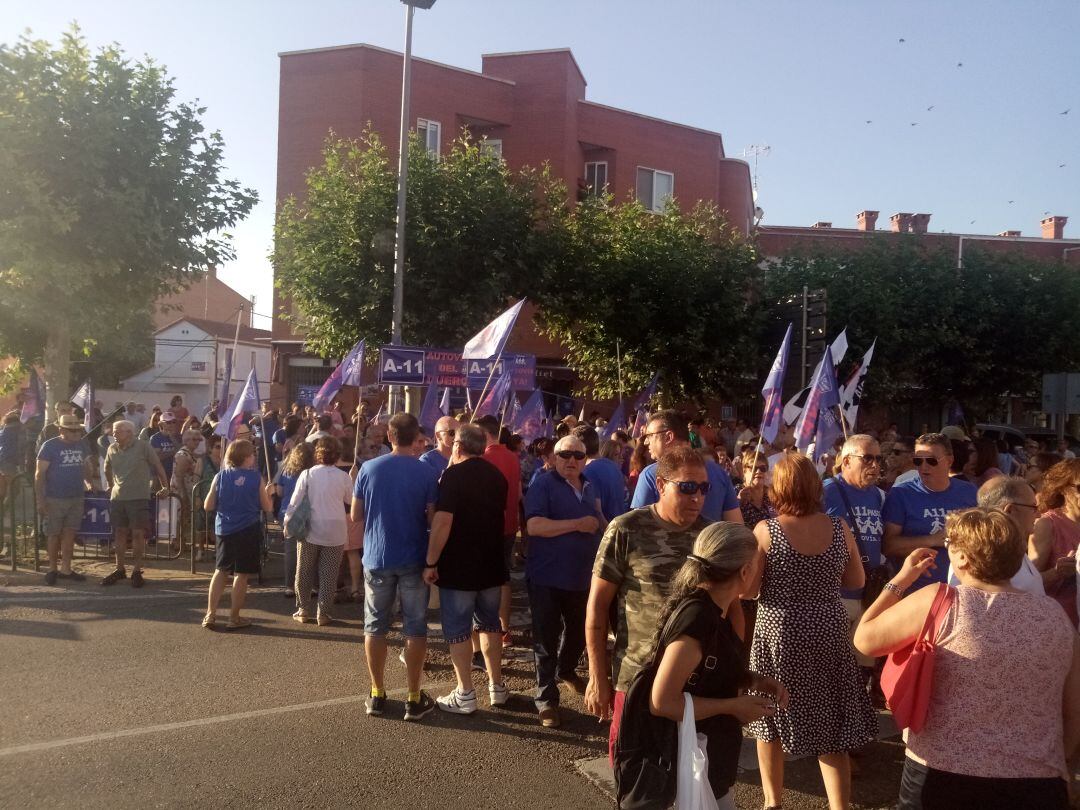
pixel 648 393
pixel 616 422
pixel 490 340
pixel 640 423
pixel 814 423
pixel 248 402
pixel 531 422
pixel 496 398
pixel 34 404
pixel 773 392
pixel 429 410
pixel 347 373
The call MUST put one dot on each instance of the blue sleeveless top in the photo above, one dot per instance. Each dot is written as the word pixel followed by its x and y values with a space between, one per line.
pixel 237 500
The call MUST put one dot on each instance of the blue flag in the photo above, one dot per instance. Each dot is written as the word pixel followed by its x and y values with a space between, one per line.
pixel 531 422
pixel 648 393
pixel 616 422
pixel 815 424
pixel 773 392
pixel 495 400
pixel 429 410
pixel 248 402
pixel 34 403
pixel 347 373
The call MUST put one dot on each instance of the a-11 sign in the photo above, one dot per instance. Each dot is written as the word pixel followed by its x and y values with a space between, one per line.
pixel 401 365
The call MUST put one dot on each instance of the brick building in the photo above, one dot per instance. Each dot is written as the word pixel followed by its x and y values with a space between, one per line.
pixel 531 106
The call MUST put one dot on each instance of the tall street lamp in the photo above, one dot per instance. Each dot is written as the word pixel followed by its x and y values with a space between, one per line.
pixel 403 174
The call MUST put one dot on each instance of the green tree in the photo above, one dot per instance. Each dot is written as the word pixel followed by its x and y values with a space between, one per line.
pixel 671 292
pixel 476 234
pixel 111 195
pixel 969 333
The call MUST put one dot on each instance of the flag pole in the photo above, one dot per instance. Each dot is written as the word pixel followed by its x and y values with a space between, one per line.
pixel 483 391
pixel 843 422
pixel 266 449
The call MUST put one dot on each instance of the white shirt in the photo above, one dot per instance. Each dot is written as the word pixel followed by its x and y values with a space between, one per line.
pixel 319 434
pixel 1027 579
pixel 327 488
pixel 903 478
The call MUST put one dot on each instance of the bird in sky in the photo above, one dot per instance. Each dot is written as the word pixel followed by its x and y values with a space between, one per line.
pixel 972 222
pixel 1064 112
pixel 914 123
pixel 931 107
pixel 1011 202
pixel 902 40
pixel 1061 165
pixel 959 64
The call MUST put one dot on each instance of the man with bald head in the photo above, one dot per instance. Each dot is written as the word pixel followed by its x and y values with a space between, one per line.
pixel 439 456
pixel 564 519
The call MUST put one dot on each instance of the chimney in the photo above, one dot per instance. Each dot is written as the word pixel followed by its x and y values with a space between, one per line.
pixel 1009 233
pixel 866 220
pixel 1054 227
pixel 919 223
pixel 821 225
pixel 901 223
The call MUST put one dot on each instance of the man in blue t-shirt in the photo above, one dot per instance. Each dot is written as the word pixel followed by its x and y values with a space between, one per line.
pixel 667 430
pixel 565 523
pixel 914 512
pixel 167 441
pixel 438 457
pixel 64 470
pixel 394 497
pixel 854 496
pixel 604 474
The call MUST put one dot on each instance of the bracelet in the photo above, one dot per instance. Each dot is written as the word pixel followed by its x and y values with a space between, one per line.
pixel 436 565
pixel 892 586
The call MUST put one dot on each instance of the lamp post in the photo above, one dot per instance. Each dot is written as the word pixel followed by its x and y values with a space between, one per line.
pixel 403 175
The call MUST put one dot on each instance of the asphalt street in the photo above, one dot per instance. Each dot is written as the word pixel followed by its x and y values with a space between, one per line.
pixel 118 697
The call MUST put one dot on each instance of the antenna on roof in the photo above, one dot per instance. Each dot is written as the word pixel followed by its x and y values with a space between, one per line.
pixel 755 150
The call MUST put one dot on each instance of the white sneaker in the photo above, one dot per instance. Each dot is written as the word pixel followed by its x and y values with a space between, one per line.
pixel 498 693
pixel 457 702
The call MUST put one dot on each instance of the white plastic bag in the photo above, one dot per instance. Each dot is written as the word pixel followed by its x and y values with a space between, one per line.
pixel 694 791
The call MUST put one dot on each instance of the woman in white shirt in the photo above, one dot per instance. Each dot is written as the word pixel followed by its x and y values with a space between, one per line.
pixel 328 491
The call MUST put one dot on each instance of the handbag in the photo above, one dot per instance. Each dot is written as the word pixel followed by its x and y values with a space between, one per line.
pixel 908 675
pixel 647 746
pixel 298 522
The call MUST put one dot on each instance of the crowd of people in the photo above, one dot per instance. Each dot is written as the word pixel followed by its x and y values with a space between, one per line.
pixel 766 585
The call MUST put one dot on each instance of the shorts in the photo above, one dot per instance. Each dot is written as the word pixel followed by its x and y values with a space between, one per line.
pixel 381 585
pixel 855 609
pixel 354 540
pixel 238 552
pixel 464 611
pixel 63 513
pixel 130 514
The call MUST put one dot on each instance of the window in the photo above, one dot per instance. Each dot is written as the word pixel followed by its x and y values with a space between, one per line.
pixel 429 134
pixel 228 360
pixel 654 188
pixel 492 146
pixel 596 177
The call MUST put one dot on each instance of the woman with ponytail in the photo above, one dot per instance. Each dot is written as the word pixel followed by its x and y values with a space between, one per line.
pixel 699 652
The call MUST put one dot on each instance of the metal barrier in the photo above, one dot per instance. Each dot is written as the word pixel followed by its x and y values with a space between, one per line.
pixel 164 541
pixel 20 527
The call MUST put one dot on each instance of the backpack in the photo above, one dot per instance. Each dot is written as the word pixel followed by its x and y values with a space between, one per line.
pixel 647 746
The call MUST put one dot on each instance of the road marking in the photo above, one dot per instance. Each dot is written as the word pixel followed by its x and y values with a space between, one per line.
pixel 105 736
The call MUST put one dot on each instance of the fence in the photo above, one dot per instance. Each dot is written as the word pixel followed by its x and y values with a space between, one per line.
pixel 19 525
pixel 164 540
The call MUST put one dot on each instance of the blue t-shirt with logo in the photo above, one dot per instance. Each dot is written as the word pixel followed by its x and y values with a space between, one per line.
pixel 163 443
pixel 866 512
pixel 919 512
pixel 238 502
pixel 64 477
pixel 720 498
pixel 396 491
pixel 608 484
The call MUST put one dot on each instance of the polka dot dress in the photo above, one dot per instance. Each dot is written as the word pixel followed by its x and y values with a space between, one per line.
pixel 801 639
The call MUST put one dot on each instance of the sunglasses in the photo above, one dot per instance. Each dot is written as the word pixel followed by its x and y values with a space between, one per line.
pixel 879 460
pixel 449 433
pixel 763 468
pixel 918 461
pixel 566 455
pixel 693 487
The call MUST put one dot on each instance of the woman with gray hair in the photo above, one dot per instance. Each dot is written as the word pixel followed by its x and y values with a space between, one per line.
pixel 699 652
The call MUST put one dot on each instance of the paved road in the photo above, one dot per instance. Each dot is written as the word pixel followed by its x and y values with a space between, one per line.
pixel 117 697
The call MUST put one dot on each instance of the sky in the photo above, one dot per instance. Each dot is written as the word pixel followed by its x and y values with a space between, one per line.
pixel 954 109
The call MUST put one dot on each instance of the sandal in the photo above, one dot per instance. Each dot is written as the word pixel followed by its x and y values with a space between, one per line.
pixel 209 620
pixel 238 624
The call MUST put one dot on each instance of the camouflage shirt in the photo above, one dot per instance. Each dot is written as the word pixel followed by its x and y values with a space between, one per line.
pixel 641 553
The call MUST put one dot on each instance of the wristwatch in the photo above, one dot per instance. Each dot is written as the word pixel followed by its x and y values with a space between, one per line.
pixel 892 586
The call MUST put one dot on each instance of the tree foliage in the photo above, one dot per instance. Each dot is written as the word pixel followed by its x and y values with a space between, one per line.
pixel 475 236
pixel 669 292
pixel 111 195
pixel 972 333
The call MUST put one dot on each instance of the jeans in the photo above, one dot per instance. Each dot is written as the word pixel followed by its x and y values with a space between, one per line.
pixel 558 620
pixel 407 582
pixel 923 788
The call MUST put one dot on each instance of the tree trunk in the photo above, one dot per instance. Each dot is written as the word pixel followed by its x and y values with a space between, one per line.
pixel 57 366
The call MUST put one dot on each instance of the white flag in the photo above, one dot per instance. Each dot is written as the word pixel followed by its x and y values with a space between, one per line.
pixel 851 392
pixel 444 405
pixel 794 405
pixel 489 341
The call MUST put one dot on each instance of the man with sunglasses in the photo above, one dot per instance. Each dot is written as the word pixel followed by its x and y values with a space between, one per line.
pixel 563 516
pixel 899 467
pixel 638 558
pixel 914 512
pixel 853 495
pixel 438 457
pixel 666 431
